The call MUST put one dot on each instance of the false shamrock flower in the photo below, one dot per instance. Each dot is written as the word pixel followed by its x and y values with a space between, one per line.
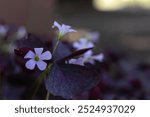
pixel 88 57
pixel 37 59
pixel 93 36
pixel 82 44
pixel 21 32
pixel 3 30
pixel 63 29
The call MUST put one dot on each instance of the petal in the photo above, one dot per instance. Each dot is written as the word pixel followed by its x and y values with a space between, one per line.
pixel 94 36
pixel 30 64
pixel 90 45
pixel 66 26
pixel 91 61
pixel 46 55
pixel 41 65
pixel 98 57
pixel 38 51
pixel 88 54
pixel 30 54
pixel 83 40
pixel 78 61
pixel 56 24
pixel 77 45
pixel 3 30
pixel 72 61
pixel 21 32
pixel 64 29
pixel 72 30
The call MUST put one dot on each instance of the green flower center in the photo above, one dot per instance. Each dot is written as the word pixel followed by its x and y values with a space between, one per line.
pixel 36 58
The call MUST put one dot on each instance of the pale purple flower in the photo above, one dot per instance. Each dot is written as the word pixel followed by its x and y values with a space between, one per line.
pixel 63 29
pixel 22 32
pixel 90 58
pixel 79 61
pixel 93 36
pixel 3 30
pixel 37 59
pixel 82 44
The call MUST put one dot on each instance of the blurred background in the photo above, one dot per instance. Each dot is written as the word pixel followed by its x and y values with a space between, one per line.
pixel 123 24
pixel 124 39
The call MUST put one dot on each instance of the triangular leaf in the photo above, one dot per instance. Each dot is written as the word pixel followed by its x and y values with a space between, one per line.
pixel 69 81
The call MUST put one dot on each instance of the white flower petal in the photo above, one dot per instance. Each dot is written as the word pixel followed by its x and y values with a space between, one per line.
pixel 46 55
pixel 94 36
pixel 30 54
pixel 98 57
pixel 72 61
pixel 21 32
pixel 30 64
pixel 90 45
pixel 72 30
pixel 38 51
pixel 91 61
pixel 76 45
pixel 88 54
pixel 3 30
pixel 79 61
pixel 82 44
pixel 83 40
pixel 56 24
pixel 64 29
pixel 41 65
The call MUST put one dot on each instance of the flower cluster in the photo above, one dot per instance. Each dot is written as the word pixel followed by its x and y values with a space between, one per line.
pixel 83 43
pixel 58 62
pixel 87 57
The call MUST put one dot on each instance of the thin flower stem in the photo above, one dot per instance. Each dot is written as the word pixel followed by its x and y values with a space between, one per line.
pixel 55 47
pixel 38 82
pixel 47 96
pixel 36 86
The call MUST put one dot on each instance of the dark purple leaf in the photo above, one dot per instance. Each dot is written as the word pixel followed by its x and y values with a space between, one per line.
pixel 22 51
pixel 73 55
pixel 31 41
pixel 61 51
pixel 70 81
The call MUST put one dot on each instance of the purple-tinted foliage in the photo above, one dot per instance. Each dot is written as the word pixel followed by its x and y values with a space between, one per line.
pixel 117 82
pixel 33 41
pixel 70 81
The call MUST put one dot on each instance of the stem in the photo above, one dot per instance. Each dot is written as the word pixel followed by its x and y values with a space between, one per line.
pixel 36 86
pixel 47 96
pixel 55 47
